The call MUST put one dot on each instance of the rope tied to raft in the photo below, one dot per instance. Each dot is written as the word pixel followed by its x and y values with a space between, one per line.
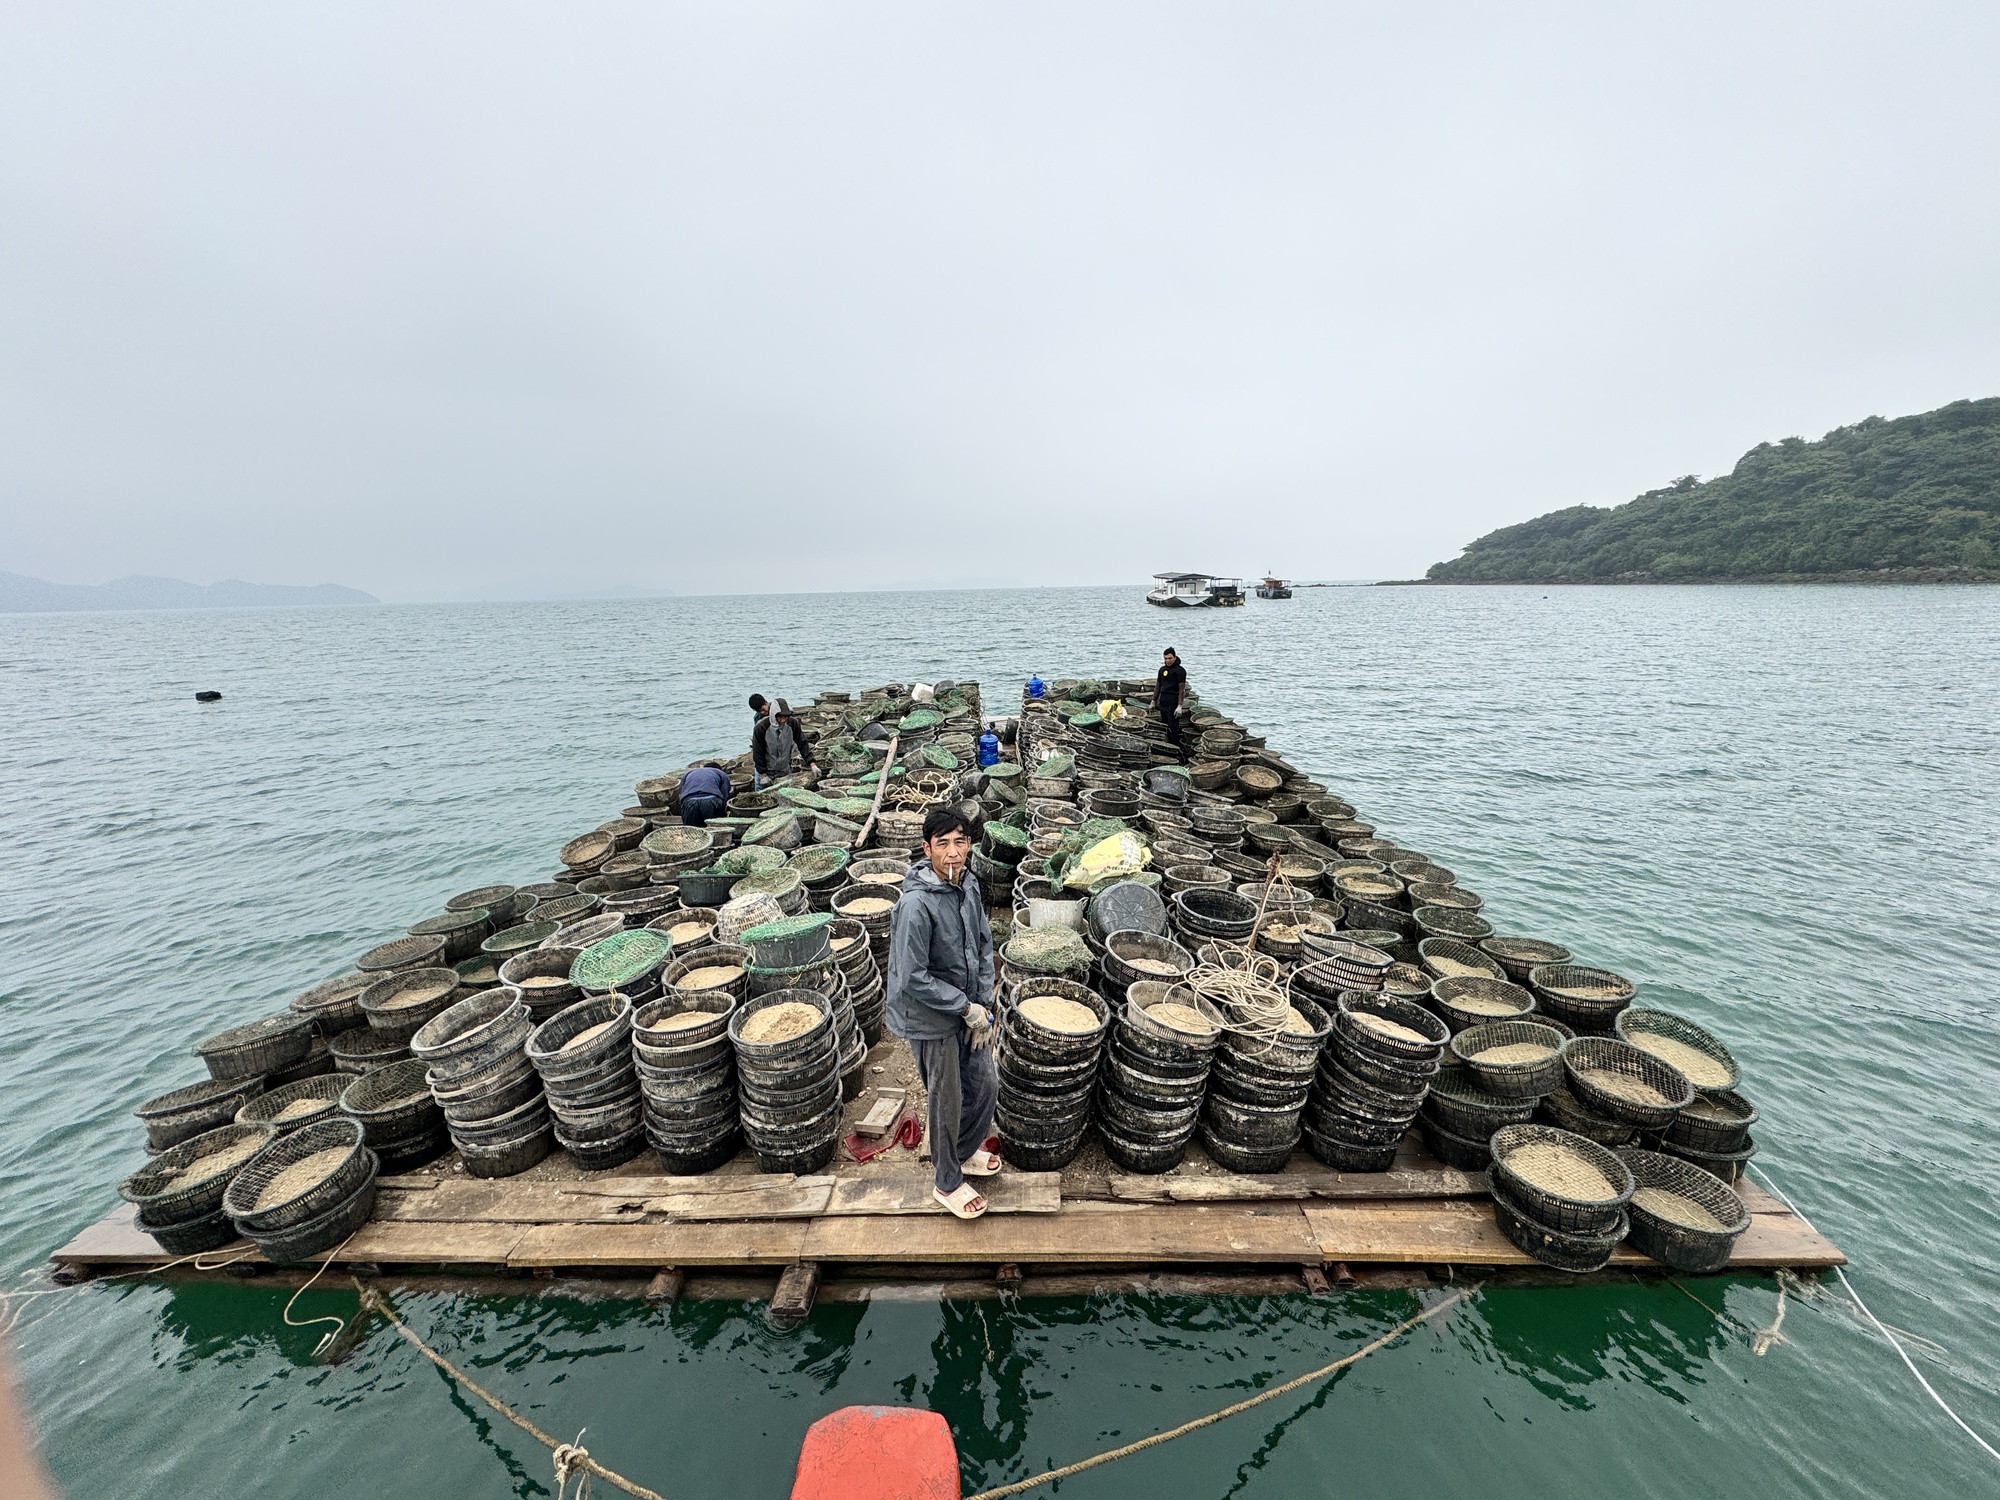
pixel 1021 1486
pixel 571 1459
pixel 1929 1390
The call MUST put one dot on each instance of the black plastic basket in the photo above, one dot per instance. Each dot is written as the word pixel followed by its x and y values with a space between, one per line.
pixel 1634 1023
pixel 159 1204
pixel 260 1047
pixel 1594 1055
pixel 1527 1079
pixel 1685 1247
pixel 1450 997
pixel 1458 1104
pixel 1521 956
pixel 1560 1109
pixel 1562 1250
pixel 1697 1128
pixel 1465 1153
pixel 318 1198
pixel 1727 1165
pixel 1556 1210
pixel 1441 955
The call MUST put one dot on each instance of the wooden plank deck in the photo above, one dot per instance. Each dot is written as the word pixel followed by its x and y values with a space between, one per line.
pixel 1419 1215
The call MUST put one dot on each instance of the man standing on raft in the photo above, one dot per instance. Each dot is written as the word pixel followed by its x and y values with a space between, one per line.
pixel 1169 692
pixel 940 989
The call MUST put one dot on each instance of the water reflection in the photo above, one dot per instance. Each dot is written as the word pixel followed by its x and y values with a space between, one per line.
pixel 1563 1340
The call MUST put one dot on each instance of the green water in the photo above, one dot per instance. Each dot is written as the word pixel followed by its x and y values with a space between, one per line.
pixel 1776 808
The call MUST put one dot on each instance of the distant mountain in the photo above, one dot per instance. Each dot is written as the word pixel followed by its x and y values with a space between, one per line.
pixel 1916 498
pixel 19 595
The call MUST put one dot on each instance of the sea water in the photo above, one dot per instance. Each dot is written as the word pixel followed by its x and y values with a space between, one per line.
pixel 1775 808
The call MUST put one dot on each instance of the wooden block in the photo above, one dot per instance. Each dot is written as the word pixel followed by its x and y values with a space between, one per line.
pixel 883 1113
pixel 1315 1281
pixel 910 1193
pixel 665 1287
pixel 1168 1235
pixel 748 1243
pixel 793 1299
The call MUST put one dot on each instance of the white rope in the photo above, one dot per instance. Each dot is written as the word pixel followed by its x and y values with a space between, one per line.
pixel 1943 1405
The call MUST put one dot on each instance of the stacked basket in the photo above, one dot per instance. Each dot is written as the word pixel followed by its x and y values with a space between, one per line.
pixel 1558 1197
pixel 1154 1075
pixel 178 1194
pixel 788 1067
pixel 1371 1080
pixel 1258 1087
pixel 1051 1039
pixel 304 1192
pixel 687 1074
pixel 479 1074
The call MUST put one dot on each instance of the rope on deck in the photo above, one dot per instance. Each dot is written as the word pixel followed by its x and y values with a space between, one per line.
pixel 570 1459
pixel 1020 1486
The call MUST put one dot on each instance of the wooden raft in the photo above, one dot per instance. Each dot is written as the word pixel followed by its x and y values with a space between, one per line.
pixel 1418 1215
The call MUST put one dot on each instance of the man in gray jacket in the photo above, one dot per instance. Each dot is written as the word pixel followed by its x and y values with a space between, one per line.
pixel 940 990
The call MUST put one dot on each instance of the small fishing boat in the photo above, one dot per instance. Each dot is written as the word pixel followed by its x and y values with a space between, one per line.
pixel 1195 591
pixel 1274 588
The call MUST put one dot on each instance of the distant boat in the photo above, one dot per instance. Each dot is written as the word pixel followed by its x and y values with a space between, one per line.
pixel 1274 588
pixel 1195 591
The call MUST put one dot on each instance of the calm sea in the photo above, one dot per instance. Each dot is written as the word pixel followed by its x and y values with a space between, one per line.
pixel 1776 808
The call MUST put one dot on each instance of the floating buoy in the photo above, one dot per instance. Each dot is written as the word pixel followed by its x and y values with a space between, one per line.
pixel 208 695
pixel 878 1453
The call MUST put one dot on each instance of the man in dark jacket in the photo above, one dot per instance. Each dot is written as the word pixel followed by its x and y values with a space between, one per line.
pixel 704 794
pixel 940 987
pixel 1169 692
pixel 785 745
pixel 759 707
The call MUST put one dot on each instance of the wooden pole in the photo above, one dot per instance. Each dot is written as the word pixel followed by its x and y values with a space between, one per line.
pixel 881 786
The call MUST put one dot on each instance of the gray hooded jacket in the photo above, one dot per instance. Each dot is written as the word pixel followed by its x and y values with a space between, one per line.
pixel 940 954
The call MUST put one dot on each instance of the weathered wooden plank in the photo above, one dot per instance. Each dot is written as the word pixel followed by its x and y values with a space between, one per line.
pixel 800 1199
pixel 505 1202
pixel 758 1242
pixel 910 1193
pixel 1299 1184
pixel 390 1243
pixel 1179 1234
pixel 1463 1232
pixel 713 1184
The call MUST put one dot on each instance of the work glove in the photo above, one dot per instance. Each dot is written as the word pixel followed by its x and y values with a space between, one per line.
pixel 979 1024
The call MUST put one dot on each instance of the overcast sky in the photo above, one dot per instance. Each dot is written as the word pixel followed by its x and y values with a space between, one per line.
pixel 495 300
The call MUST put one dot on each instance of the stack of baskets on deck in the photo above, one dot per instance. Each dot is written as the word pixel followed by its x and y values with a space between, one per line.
pixel 1051 1038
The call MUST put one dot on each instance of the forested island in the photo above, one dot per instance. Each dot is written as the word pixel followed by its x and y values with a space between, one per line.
pixel 1909 499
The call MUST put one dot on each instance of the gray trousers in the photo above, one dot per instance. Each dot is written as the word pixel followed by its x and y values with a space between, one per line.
pixel 961 1085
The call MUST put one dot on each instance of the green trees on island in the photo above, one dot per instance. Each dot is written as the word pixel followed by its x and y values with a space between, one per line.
pixel 1915 497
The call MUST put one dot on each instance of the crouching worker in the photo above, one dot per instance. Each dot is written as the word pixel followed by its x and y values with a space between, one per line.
pixel 940 999
pixel 704 794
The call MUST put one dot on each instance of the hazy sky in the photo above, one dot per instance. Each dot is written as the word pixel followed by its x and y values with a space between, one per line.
pixel 450 300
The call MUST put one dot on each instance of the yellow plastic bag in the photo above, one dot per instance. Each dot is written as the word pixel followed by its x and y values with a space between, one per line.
pixel 1121 854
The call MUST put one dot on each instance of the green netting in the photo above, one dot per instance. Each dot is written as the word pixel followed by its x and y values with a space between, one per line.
pixel 940 757
pixel 1006 833
pixel 798 796
pixel 675 841
pixel 1003 770
pixel 852 807
pixel 818 861
pixel 620 958
pixel 779 882
pixel 753 860
pixel 1047 950
pixel 1055 767
pixel 920 718
pixel 769 824
pixel 787 927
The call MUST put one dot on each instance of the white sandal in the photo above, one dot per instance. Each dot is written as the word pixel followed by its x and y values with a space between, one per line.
pixel 959 1204
pixel 983 1164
